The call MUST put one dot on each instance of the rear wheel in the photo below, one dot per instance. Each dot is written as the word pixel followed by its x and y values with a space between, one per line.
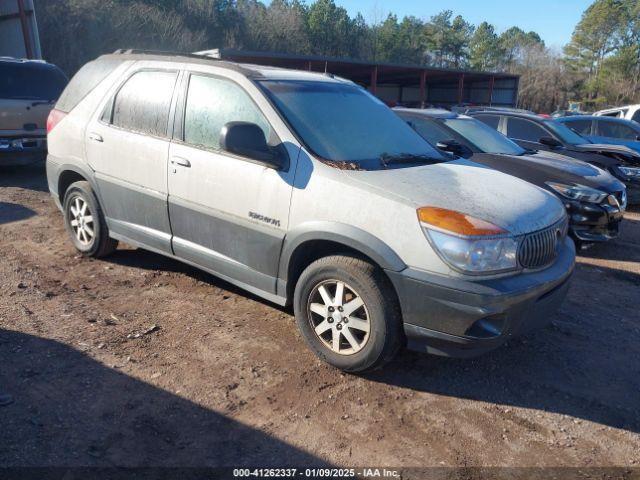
pixel 348 313
pixel 85 221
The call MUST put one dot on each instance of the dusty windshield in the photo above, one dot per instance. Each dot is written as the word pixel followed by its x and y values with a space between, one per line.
pixel 344 123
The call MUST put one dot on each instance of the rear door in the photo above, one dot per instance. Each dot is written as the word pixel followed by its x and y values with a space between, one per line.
pixel 127 145
pixel 229 214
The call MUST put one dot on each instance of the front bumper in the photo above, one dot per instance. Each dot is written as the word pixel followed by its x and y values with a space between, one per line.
pixel 590 222
pixel 463 318
pixel 22 151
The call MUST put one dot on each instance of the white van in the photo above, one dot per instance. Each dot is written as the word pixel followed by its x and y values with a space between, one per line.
pixel 308 191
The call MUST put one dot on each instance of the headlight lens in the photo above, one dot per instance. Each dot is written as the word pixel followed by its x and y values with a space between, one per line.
pixel 579 192
pixel 467 243
pixel 630 172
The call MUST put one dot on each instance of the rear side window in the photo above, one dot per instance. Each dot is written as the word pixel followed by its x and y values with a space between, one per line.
pixel 616 130
pixel 142 104
pixel 583 127
pixel 492 120
pixel 83 82
pixel 521 129
pixel 213 102
pixel 30 81
pixel 636 116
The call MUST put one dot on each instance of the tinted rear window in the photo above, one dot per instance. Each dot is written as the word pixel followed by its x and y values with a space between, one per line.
pixel 87 78
pixel 30 81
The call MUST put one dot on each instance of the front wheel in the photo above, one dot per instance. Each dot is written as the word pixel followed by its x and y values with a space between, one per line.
pixel 348 313
pixel 85 221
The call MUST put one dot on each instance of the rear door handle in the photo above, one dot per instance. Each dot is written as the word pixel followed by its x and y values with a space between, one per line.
pixel 183 162
pixel 96 137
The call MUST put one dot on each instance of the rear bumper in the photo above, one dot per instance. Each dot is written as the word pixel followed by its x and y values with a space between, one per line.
pixel 464 318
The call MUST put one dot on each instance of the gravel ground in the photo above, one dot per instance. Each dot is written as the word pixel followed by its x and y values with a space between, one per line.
pixel 138 360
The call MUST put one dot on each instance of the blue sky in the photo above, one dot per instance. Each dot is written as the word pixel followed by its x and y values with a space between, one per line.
pixel 554 20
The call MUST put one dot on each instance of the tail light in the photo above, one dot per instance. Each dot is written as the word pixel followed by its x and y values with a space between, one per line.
pixel 54 118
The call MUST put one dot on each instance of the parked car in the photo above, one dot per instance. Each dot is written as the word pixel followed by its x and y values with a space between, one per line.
pixel 594 199
pixel 306 190
pixel 534 133
pixel 28 90
pixel 609 130
pixel 566 113
pixel 629 112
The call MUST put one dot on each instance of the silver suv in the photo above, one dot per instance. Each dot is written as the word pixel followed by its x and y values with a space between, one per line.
pixel 306 190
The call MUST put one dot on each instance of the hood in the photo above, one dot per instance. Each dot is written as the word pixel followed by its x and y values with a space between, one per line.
pixel 542 167
pixel 471 188
pixel 629 154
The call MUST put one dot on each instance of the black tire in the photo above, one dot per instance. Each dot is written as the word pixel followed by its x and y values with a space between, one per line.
pixel 380 301
pixel 101 244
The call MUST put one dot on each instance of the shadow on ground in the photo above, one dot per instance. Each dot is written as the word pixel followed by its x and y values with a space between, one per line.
pixel 13 212
pixel 70 410
pixel 31 177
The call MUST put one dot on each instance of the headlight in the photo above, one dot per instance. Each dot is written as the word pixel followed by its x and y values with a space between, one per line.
pixel 467 243
pixel 630 172
pixel 579 192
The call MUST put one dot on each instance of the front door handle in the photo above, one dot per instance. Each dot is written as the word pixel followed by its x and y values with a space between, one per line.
pixel 183 162
pixel 96 137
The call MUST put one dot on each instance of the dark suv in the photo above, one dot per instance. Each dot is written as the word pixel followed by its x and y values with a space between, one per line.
pixel 533 132
pixel 28 90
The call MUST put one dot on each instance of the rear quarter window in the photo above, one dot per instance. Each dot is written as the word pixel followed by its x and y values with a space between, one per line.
pixel 83 82
pixel 31 81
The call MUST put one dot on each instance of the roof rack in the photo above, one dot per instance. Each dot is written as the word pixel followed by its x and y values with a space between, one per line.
pixel 136 51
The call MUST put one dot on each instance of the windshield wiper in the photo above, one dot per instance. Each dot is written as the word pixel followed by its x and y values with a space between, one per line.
pixel 387 159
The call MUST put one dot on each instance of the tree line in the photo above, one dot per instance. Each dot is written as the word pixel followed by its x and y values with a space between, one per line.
pixel 600 66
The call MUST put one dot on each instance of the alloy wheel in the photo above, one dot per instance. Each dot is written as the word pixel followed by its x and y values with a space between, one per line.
pixel 81 221
pixel 339 317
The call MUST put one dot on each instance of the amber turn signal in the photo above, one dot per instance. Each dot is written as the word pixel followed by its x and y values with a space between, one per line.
pixel 457 222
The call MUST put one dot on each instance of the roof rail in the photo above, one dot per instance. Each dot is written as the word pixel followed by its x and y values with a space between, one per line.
pixel 136 51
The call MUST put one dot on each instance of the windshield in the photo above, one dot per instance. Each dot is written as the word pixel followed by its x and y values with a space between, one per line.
pixel 342 122
pixel 485 138
pixel 19 81
pixel 565 134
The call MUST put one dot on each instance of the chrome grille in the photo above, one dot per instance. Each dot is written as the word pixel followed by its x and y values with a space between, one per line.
pixel 539 249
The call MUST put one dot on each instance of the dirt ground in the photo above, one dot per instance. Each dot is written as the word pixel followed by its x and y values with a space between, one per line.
pixel 137 360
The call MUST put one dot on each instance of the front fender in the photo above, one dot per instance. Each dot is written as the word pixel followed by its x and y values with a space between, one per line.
pixel 341 233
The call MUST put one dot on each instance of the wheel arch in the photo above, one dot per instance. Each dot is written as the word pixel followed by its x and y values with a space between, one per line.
pixel 69 174
pixel 315 240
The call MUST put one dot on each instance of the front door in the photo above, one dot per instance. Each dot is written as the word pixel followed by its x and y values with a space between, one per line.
pixel 228 214
pixel 128 147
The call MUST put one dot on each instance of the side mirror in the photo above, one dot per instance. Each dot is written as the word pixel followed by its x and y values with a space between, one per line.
pixel 455 147
pixel 550 142
pixel 248 140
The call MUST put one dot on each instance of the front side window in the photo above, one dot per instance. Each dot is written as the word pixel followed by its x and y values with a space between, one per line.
pixel 613 129
pixel 491 120
pixel 565 134
pixel 583 127
pixel 343 122
pixel 522 129
pixel 483 137
pixel 213 102
pixel 142 104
